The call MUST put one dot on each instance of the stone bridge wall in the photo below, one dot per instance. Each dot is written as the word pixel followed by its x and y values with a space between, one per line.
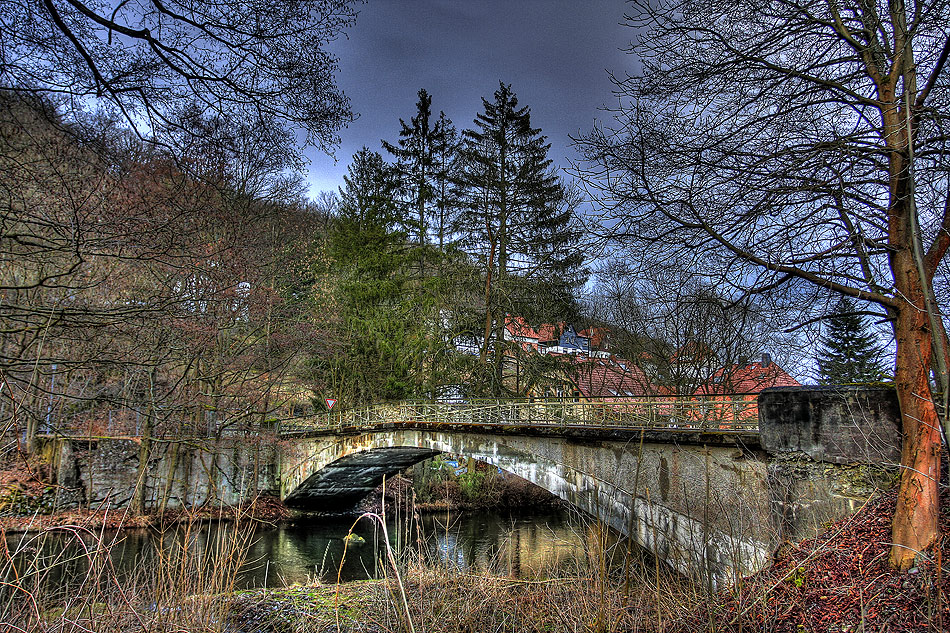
pixel 103 473
pixel 704 502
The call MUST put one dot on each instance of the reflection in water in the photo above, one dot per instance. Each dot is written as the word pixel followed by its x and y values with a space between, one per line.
pixel 520 546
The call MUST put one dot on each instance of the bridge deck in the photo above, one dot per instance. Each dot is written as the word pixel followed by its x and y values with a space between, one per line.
pixel 748 441
pixel 714 415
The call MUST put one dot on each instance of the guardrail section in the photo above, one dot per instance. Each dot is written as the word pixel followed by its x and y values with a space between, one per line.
pixel 736 412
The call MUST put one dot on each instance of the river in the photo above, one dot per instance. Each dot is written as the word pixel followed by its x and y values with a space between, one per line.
pixel 519 545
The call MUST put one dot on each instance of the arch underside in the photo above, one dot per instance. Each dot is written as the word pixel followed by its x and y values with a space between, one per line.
pixel 345 482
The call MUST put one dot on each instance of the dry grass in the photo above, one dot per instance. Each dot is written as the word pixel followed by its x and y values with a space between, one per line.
pixel 612 590
pixel 62 579
pixel 837 583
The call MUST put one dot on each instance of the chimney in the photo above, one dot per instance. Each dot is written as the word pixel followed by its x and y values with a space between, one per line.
pixel 766 360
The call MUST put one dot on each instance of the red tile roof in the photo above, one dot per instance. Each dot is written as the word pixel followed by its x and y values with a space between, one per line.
pixel 598 336
pixel 517 326
pixel 547 332
pixel 750 378
pixel 608 377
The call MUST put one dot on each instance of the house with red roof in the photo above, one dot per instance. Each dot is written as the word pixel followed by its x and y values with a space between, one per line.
pixel 582 367
pixel 560 338
pixel 598 337
pixel 747 378
pixel 732 392
pixel 608 378
pixel 519 331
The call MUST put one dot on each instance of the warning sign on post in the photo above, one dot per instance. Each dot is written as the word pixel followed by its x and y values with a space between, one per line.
pixel 330 402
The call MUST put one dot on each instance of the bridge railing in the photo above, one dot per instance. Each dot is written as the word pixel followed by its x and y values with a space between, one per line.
pixel 734 412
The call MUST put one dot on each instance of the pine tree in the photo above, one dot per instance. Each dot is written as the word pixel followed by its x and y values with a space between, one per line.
pixel 516 219
pixel 370 185
pixel 850 354
pixel 378 343
pixel 446 163
pixel 423 155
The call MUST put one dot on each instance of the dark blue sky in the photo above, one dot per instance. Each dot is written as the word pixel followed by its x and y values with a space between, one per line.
pixel 554 53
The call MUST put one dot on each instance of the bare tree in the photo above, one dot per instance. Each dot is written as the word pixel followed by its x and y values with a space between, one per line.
pixel 98 236
pixel 679 331
pixel 156 61
pixel 794 143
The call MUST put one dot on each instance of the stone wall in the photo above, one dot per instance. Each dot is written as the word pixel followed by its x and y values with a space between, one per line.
pixel 702 509
pixel 829 449
pixel 714 503
pixel 841 425
pixel 103 473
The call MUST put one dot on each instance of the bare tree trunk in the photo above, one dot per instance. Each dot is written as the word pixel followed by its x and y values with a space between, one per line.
pixel 137 505
pixel 483 356
pixel 170 477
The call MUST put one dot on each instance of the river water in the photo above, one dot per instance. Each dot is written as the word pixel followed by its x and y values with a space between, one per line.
pixel 519 545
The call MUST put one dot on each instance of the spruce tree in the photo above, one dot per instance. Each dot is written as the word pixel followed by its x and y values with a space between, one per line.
pixel 423 155
pixel 850 353
pixel 367 197
pixel 378 345
pixel 516 219
pixel 446 162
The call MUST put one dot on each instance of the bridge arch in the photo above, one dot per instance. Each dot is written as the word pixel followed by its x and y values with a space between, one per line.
pixel 350 470
pixel 615 482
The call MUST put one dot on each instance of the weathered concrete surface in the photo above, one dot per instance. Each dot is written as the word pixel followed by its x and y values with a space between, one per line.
pixel 808 495
pixel 343 482
pixel 714 503
pixel 699 508
pixel 102 473
pixel 842 425
pixel 829 449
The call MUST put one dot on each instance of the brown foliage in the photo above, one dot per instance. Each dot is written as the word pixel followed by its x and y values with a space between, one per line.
pixel 839 581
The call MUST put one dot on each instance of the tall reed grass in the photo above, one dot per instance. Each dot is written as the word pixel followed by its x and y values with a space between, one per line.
pixel 64 580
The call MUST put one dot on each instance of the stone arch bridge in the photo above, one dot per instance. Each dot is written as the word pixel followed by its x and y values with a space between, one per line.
pixel 696 481
pixel 711 486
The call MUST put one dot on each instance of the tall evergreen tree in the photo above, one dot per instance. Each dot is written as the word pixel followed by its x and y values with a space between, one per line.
pixel 378 344
pixel 517 217
pixel 850 352
pixel 446 162
pixel 426 157
pixel 423 155
pixel 369 190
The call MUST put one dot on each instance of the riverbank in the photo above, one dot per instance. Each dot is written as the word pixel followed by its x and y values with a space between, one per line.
pixel 838 582
pixel 433 600
pixel 485 489
pixel 27 499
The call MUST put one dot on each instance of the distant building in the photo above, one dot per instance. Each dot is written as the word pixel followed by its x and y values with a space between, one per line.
pixel 517 330
pixel 583 367
pixel 568 341
pixel 732 392
pixel 608 378
pixel 747 378
pixel 599 338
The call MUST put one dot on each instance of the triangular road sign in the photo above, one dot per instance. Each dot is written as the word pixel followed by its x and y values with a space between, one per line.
pixel 330 402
